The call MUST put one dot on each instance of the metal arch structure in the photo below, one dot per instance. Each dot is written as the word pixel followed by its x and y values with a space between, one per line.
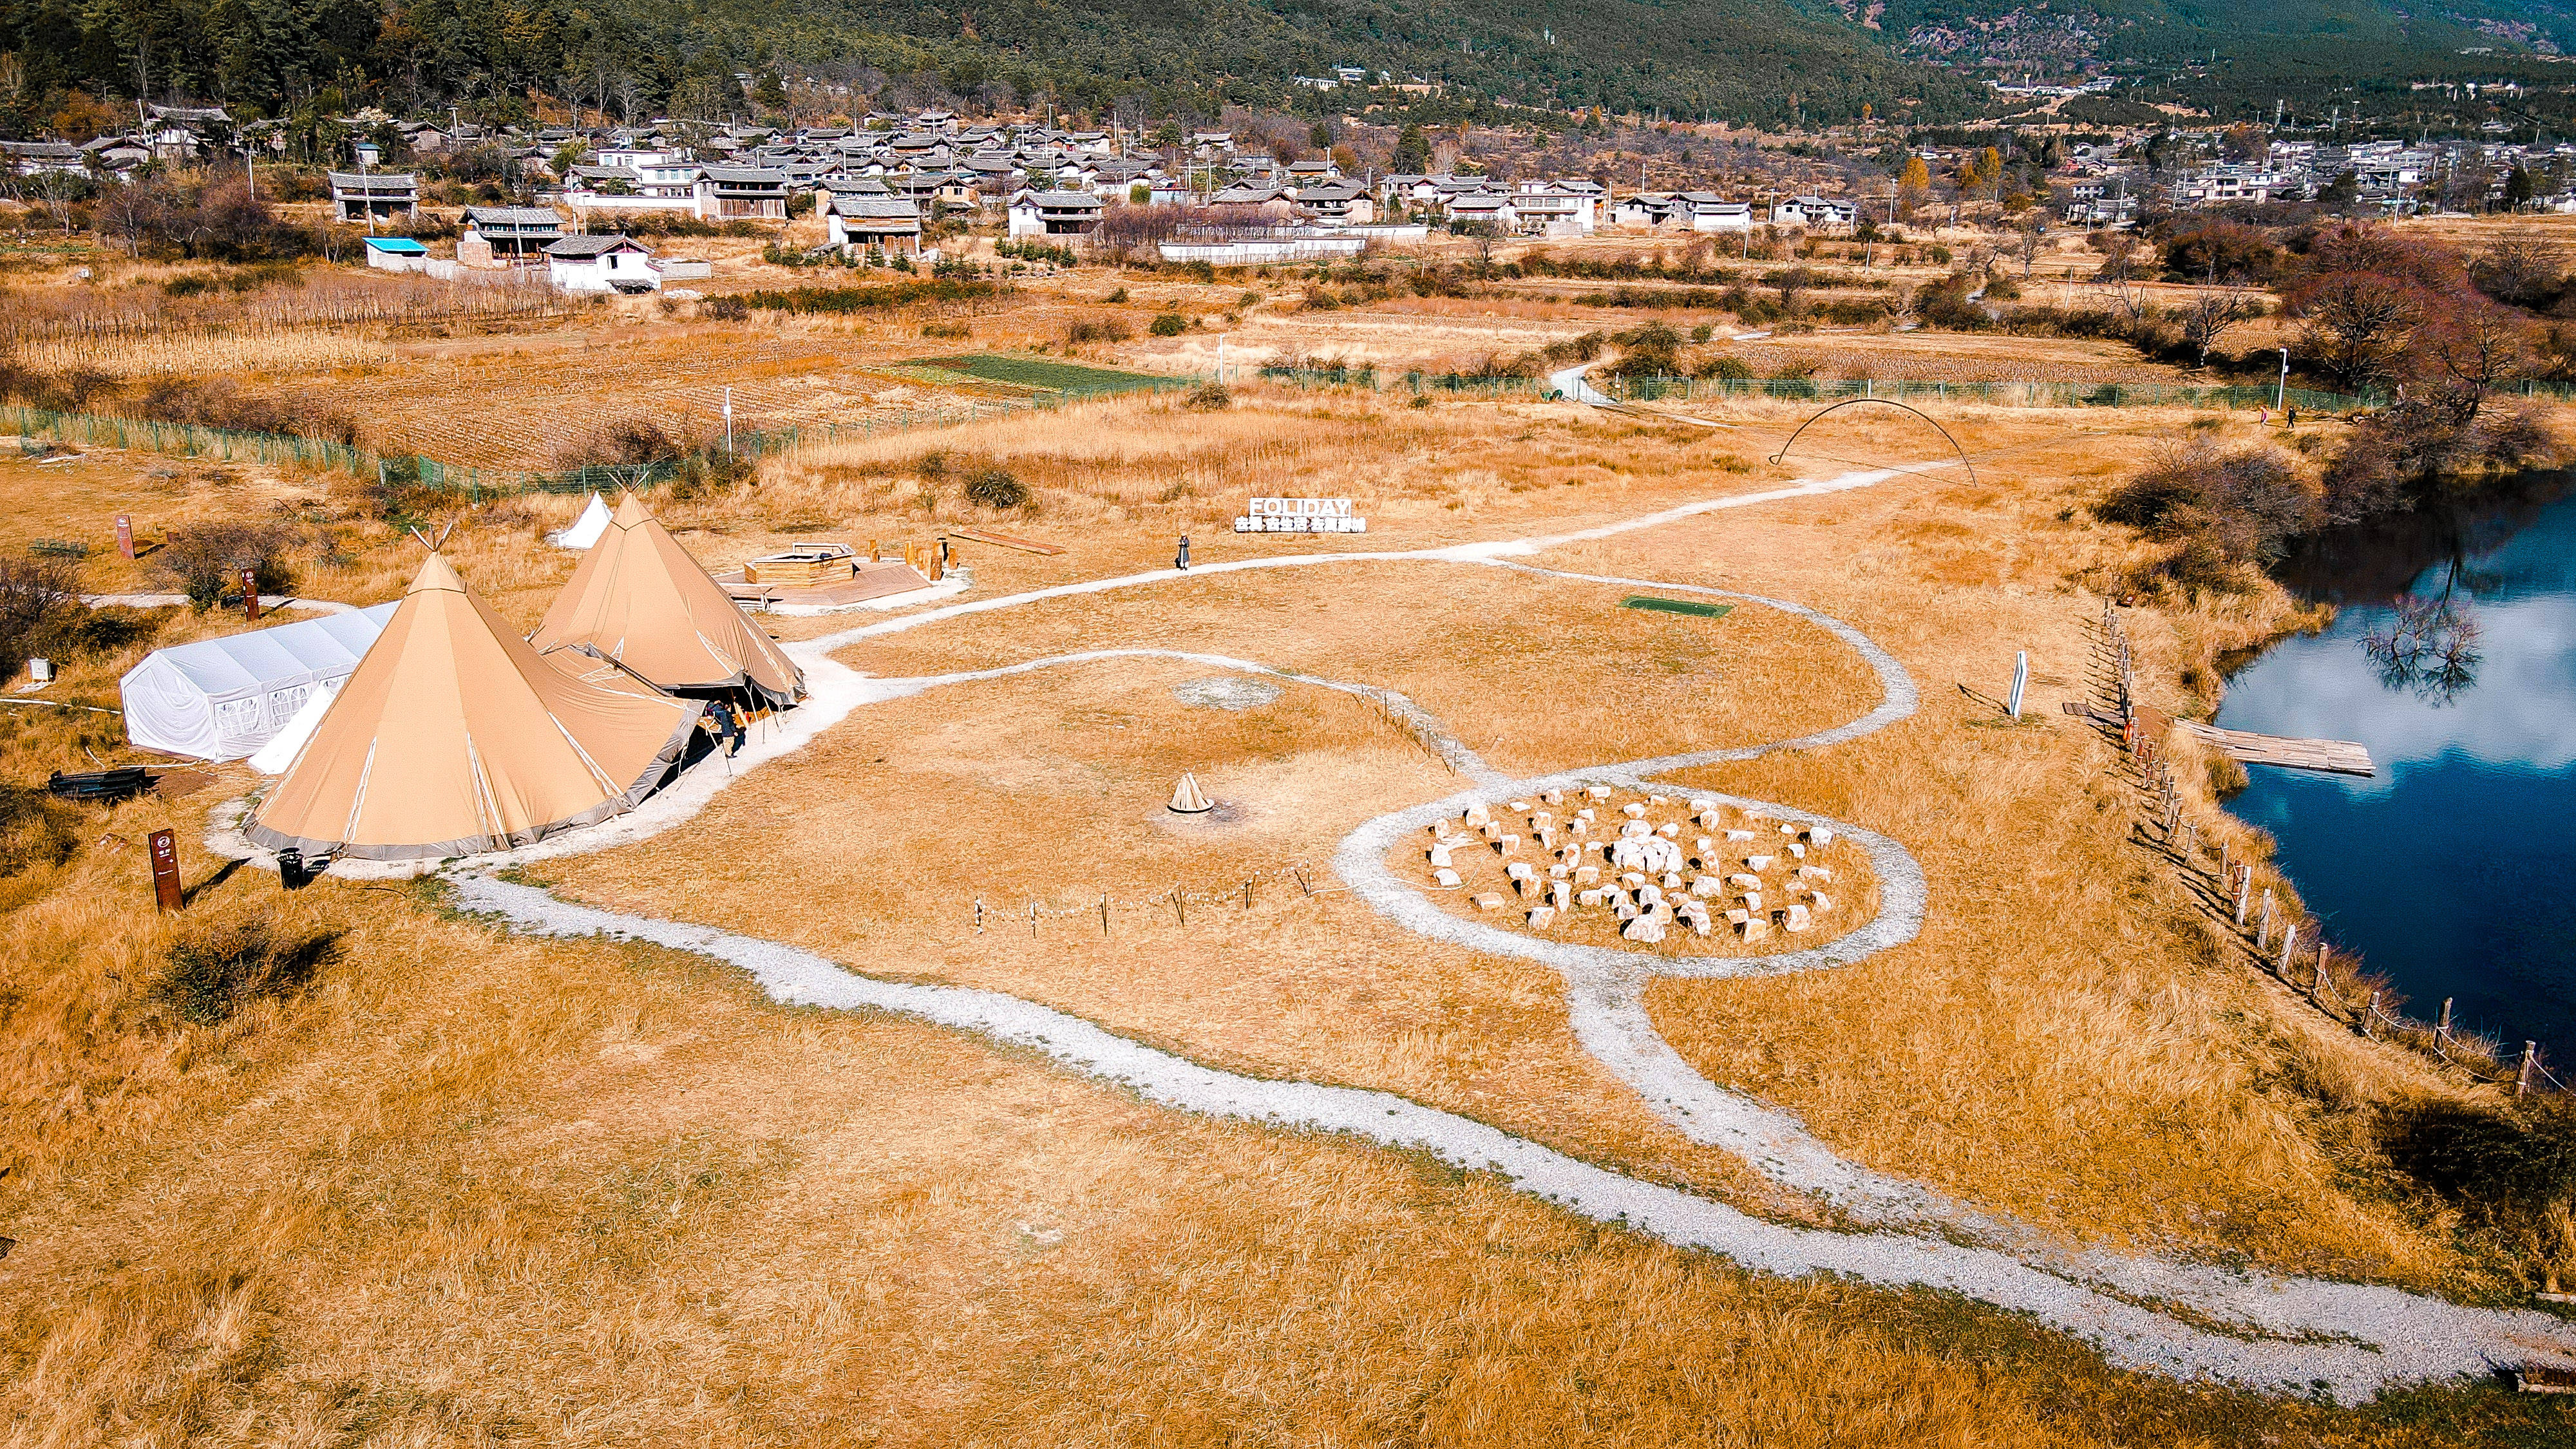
pixel 1883 402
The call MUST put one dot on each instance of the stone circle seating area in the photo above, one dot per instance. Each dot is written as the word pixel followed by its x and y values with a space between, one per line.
pixel 1647 870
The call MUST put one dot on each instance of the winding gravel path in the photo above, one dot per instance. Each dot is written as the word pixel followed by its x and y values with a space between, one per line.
pixel 2283 1335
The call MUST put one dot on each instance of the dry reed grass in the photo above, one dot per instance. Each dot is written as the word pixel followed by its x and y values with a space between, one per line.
pixel 470 1188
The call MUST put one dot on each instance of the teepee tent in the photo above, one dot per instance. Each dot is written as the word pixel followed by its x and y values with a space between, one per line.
pixel 454 737
pixel 1189 799
pixel 640 600
pixel 586 529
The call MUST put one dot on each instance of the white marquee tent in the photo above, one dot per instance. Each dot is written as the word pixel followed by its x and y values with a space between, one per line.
pixel 221 699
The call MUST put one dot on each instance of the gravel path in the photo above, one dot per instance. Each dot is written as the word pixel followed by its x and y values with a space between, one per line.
pixel 2287 1335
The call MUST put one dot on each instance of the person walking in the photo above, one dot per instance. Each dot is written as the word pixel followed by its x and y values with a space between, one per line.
pixel 1181 560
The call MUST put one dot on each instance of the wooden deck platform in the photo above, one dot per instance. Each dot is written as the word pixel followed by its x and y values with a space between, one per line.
pixel 868 581
pixel 2334 757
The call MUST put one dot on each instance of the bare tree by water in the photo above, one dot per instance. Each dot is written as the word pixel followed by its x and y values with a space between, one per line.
pixel 2430 646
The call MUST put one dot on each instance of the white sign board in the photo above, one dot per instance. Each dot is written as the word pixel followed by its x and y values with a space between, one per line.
pixel 1300 515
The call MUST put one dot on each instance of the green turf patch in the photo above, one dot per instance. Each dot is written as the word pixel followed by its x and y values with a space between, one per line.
pixel 1042 373
pixel 1676 606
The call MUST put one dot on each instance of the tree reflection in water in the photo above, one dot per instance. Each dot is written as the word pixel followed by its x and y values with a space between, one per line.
pixel 2429 646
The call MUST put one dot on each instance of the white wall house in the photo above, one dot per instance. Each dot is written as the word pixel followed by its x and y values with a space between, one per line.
pixel 1054 213
pixel 602 264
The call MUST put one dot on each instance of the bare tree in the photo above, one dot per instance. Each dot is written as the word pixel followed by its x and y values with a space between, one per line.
pixel 2359 325
pixel 2479 347
pixel 2126 265
pixel 2213 312
pixel 2430 647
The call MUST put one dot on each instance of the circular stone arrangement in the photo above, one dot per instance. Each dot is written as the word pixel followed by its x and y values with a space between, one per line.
pixel 1225 691
pixel 1593 864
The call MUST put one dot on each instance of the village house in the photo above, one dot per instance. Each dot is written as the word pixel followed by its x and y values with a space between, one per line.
pixel 178 133
pixel 1484 209
pixel 382 195
pixel 880 223
pixel 1054 213
pixel 729 193
pixel 505 236
pixel 34 158
pixel 602 264
pixel 1338 203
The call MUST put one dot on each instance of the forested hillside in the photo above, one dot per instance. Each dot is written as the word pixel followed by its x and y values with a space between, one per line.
pixel 1758 60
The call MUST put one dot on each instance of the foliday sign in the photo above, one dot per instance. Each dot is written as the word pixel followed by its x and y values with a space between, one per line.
pixel 1300 515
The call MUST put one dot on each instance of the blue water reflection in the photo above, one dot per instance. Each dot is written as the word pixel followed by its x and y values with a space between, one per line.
pixel 2454 659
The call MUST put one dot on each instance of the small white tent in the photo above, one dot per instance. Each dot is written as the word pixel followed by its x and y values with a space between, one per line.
pixel 221 699
pixel 586 529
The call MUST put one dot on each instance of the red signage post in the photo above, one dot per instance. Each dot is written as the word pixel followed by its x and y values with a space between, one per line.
pixel 165 871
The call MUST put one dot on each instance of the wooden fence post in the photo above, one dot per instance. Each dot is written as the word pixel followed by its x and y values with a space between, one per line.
pixel 1104 913
pixel 2522 1079
pixel 2369 1012
pixel 2442 1031
pixel 2289 943
pixel 2244 891
pixel 979 915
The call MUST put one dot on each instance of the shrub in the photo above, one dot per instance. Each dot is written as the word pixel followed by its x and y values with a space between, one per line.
pixel 628 440
pixel 1169 324
pixel 996 489
pixel 1726 369
pixel 2246 505
pixel 724 309
pixel 207 559
pixel 213 970
pixel 1096 329
pixel 1209 397
pixel 217 403
pixel 34 593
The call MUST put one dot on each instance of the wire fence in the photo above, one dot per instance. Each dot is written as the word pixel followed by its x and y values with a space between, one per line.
pixel 2001 394
pixel 419 470
pixel 2289 949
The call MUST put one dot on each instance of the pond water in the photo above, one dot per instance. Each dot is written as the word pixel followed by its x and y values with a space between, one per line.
pixel 2453 657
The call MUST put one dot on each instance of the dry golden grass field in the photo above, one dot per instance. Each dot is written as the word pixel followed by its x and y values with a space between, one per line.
pixel 469 1187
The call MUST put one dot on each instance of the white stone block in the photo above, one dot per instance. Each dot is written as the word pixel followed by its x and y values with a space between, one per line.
pixel 1554 797
pixel 1820 836
pixel 1624 908
pixel 1702 804
pixel 1739 835
pixel 1672 881
pixel 1592 897
pixel 1559 871
pixel 1520 807
pixel 1506 844
pixel 1633 810
pixel 1597 792
pixel 1631 880
pixel 1753 900
pixel 1819 902
pixel 1586 874
pixel 1753 930
pixel 1518 870
pixel 1788 827
pixel 1797 918
pixel 1739 915
pixel 1445 876
pixel 1440 857
pixel 1816 872
pixel 1796 851
pixel 1760 862
pixel 1671 831
pixel 1645 930
pixel 1542 917
pixel 1707 885
pixel 1489 901
pixel 1650 895
pixel 1560 895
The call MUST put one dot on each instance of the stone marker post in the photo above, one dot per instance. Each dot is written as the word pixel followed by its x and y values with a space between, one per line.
pixel 2021 682
pixel 166 894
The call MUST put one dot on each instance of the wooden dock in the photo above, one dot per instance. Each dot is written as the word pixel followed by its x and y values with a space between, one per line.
pixel 2334 757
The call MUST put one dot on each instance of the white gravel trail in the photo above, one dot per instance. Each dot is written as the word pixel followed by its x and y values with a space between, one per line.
pixel 2286 1335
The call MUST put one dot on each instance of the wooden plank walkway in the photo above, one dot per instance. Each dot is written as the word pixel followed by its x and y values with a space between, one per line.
pixel 2335 757
pixel 1004 540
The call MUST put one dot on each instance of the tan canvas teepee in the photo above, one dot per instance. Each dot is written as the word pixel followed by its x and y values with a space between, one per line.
pixel 639 599
pixel 1188 798
pixel 453 738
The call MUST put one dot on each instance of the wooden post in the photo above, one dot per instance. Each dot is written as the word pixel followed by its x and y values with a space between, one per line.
pixel 1104 913
pixel 125 535
pixel 979 915
pixel 875 554
pixel 2522 1079
pixel 2021 682
pixel 1033 918
pixel 2244 889
pixel 250 594
pixel 2190 843
pixel 1180 907
pixel 166 894
pixel 2263 937
pixel 2289 943
pixel 2368 1012
pixel 2442 1030
pixel 1247 893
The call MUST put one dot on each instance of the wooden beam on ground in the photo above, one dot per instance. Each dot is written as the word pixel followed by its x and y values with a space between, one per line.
pixel 1004 540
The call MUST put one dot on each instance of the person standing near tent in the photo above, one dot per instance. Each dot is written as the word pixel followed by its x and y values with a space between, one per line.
pixel 725 724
